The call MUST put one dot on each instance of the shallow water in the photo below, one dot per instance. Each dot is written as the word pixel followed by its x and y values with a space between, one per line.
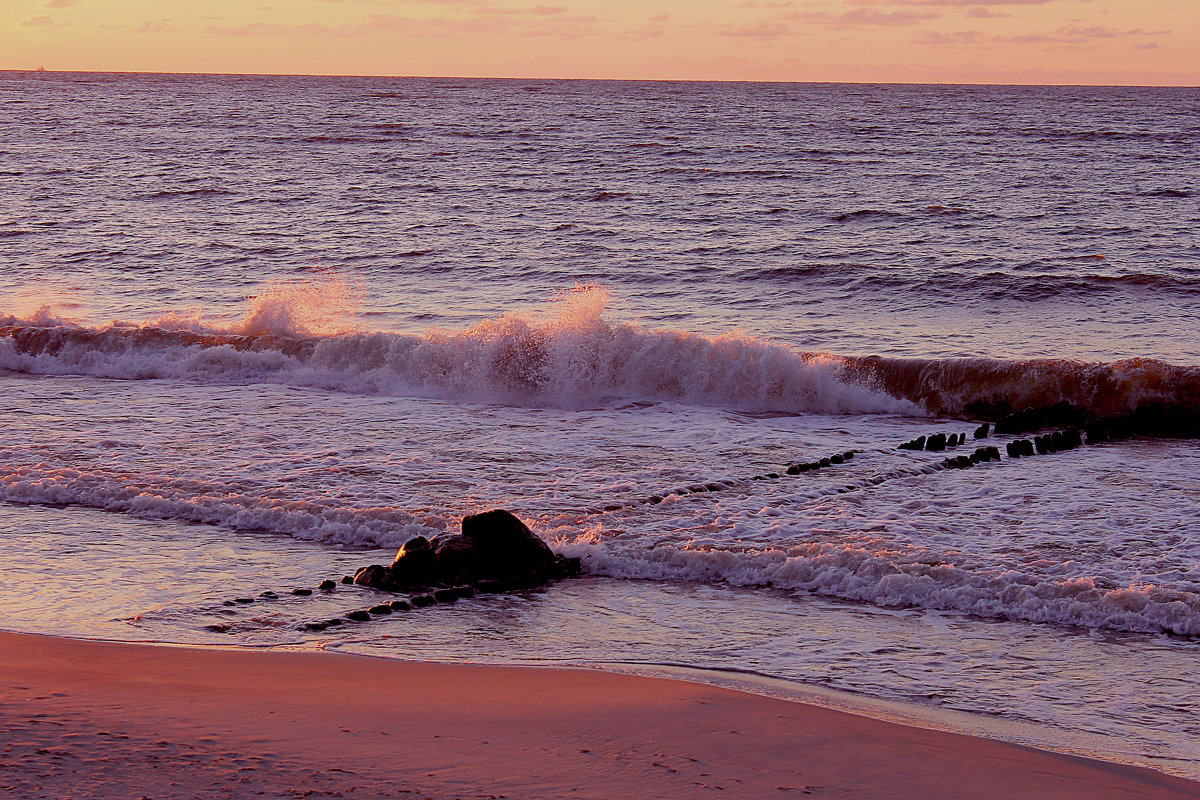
pixel 259 332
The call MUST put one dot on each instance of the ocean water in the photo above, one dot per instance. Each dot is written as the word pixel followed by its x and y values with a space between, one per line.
pixel 259 331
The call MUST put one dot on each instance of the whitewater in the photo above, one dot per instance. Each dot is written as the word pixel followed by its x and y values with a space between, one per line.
pixel 249 356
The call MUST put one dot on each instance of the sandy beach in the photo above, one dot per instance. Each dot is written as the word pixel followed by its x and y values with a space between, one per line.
pixel 103 720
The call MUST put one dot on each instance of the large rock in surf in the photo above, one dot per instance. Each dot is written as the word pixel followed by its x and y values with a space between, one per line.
pixel 495 547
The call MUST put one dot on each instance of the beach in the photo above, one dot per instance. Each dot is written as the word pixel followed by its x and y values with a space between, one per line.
pixel 110 720
pixel 880 399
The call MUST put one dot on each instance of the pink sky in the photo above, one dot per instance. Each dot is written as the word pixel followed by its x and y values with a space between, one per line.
pixel 954 41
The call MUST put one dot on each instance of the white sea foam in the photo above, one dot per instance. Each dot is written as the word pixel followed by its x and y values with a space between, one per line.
pixel 910 579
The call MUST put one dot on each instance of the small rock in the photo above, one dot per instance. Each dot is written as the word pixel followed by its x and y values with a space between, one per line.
pixel 302 592
pixel 849 454
pixel 490 586
pixel 347 579
pixel 825 462
pixel 982 431
pixel 327 585
pixel 422 600
pixel 315 626
pixel 466 590
pixel 243 599
pixel 400 605
pixel 794 469
pixel 376 576
pixel 445 595
pixel 217 628
pixel 334 622
pixel 358 616
pixel 837 459
pixel 382 608
pixel 268 595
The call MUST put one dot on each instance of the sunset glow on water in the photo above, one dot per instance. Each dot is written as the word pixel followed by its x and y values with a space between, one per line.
pixel 256 332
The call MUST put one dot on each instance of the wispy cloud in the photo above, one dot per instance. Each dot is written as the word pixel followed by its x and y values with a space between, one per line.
pixel 865 17
pixel 760 30
pixel 40 22
pixel 983 12
pixel 62 3
pixel 1066 35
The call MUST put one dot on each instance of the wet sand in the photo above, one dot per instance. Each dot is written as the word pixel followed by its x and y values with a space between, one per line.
pixel 88 719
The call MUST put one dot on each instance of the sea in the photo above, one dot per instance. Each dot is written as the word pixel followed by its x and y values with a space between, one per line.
pixel 256 332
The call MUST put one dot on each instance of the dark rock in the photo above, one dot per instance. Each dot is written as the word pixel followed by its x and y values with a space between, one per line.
pixel 836 459
pixel 982 431
pixel 825 462
pixel 327 585
pixel 334 622
pixel 347 579
pixel 268 595
pixel 696 488
pixel 572 565
pixel 243 599
pixel 994 453
pixel 1058 440
pixel 1027 447
pixel 952 440
pixel 1074 437
pixel 414 564
pixel 794 469
pixel 964 462
pixel 490 586
pixel 505 543
pixel 358 616
pixel 654 500
pixel 445 595
pixel 936 443
pixel 919 442
pixel 422 600
pixel 455 558
pixel 849 454
pixel 302 592
pixel 1043 447
pixel 1014 449
pixel 375 576
pixel 613 507
pixel 772 475
pixel 715 487
pixel 228 603
pixel 978 456
pixel 316 626
pixel 382 608
pixel 217 628
pixel 400 605
pixel 466 590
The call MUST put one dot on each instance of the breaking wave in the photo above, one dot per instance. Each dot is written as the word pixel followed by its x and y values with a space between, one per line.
pixel 570 357
pixel 910 579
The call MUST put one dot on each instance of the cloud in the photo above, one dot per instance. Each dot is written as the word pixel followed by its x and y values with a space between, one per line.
pixel 761 30
pixel 39 22
pixel 1067 34
pixel 62 3
pixel 983 12
pixel 156 26
pixel 958 3
pixel 532 21
pixel 865 18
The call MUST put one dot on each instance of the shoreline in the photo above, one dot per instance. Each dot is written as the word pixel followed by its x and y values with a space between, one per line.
pixel 107 719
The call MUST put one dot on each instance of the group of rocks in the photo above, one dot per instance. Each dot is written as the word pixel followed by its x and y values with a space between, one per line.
pixel 980 456
pixel 809 466
pixel 494 553
pixel 941 441
pixel 1054 442
pixel 1167 420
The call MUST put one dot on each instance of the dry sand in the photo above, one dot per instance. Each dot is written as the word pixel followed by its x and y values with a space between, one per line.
pixel 99 720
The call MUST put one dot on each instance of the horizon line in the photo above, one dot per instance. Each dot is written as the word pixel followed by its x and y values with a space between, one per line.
pixel 41 70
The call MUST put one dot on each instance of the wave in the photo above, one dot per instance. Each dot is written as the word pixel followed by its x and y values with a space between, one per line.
pixel 571 357
pixel 302 334
pixel 982 387
pixel 215 503
pixel 910 579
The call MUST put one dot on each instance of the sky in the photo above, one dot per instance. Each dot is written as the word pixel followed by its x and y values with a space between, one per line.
pixel 1150 42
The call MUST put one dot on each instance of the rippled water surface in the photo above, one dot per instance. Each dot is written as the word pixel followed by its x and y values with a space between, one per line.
pixel 256 332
